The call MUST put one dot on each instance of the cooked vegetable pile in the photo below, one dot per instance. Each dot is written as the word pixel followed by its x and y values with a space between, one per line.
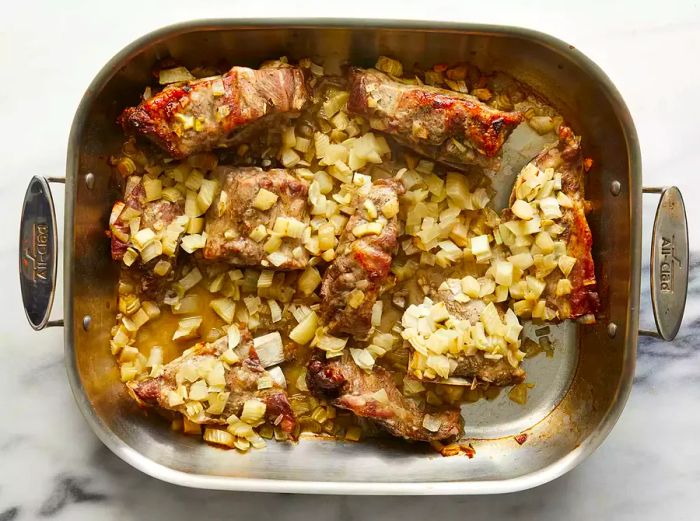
pixel 307 252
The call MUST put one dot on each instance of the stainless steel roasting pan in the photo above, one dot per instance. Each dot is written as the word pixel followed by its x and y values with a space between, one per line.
pixel 579 393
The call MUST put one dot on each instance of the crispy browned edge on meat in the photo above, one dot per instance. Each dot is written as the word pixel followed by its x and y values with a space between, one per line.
pixel 241 186
pixel 566 156
pixel 346 386
pixel 248 95
pixel 241 382
pixel 448 126
pixel 363 263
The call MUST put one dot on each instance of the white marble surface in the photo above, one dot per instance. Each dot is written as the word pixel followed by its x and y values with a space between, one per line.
pixel 51 465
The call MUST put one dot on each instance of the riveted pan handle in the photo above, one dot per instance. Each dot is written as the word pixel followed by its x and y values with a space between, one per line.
pixel 38 253
pixel 669 262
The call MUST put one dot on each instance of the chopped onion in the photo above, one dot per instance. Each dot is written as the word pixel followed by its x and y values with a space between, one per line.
pixel 188 328
pixel 431 423
pixel 523 210
pixel 363 358
pixel 304 332
pixel 278 377
pixel 189 281
pixel 253 411
pixel 264 200
pixel 174 75
pixel 219 437
pixel 269 349
pixel 377 313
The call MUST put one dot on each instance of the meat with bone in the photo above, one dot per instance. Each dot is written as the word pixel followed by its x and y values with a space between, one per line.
pixel 363 261
pixel 241 381
pixel 566 158
pixel 448 126
pixel 207 113
pixel 251 198
pixel 346 386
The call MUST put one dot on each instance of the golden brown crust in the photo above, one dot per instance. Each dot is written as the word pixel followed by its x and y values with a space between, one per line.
pixel 448 126
pixel 198 116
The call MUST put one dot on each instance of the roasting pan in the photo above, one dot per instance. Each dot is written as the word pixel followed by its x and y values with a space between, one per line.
pixel 579 392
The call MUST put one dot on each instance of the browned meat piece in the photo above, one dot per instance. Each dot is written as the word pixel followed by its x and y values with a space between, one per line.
pixel 155 215
pixel 234 215
pixel 241 381
pixel 449 126
pixel 207 113
pixel 347 386
pixel 497 372
pixel 566 158
pixel 362 264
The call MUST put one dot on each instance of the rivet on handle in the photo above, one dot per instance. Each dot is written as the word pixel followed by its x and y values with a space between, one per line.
pixel 615 188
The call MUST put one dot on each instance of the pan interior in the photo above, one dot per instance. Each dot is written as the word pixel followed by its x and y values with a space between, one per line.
pixel 578 392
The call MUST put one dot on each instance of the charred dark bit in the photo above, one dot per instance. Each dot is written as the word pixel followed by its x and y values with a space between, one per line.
pixel 207 113
pixel 448 126
pixel 346 386
pixel 362 264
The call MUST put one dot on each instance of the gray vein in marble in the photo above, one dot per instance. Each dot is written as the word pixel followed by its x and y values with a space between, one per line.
pixel 68 489
pixel 9 514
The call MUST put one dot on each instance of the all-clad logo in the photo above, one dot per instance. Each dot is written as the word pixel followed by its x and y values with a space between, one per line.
pixel 37 253
pixel 666 266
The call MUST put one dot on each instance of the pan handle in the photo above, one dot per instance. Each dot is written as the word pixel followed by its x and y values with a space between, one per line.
pixel 669 262
pixel 38 252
